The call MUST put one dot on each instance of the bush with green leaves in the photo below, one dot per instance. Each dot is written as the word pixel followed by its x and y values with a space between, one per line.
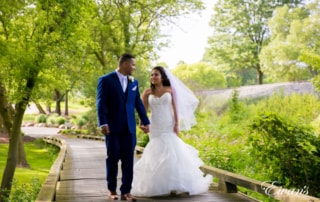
pixel 41 118
pixel 26 192
pixel 92 122
pixel 81 122
pixel 51 120
pixel 61 120
pixel 142 140
pixel 288 151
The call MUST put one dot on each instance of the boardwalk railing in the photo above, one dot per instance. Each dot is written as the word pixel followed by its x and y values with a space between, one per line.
pixel 228 181
pixel 48 189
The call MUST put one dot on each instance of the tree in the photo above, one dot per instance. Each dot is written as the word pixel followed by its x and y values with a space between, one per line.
pixel 199 76
pixel 28 33
pixel 240 32
pixel 294 32
pixel 131 26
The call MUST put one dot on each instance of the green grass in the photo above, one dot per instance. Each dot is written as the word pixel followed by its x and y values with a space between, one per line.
pixel 29 117
pixel 40 158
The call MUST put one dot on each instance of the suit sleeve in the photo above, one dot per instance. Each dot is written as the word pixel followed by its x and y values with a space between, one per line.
pixel 101 102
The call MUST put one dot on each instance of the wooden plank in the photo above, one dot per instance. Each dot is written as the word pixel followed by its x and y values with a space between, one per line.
pixel 83 178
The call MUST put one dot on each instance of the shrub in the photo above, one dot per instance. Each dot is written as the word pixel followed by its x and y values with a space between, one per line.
pixel 81 122
pixel 52 120
pixel 288 150
pixel 91 122
pixel 41 118
pixel 26 192
pixel 143 140
pixel 61 120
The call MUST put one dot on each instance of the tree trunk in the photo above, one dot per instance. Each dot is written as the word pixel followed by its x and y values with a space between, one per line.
pixel 2 129
pixel 39 107
pixel 10 167
pixel 22 158
pixel 58 99
pixel 48 109
pixel 12 121
pixel 66 110
pixel 260 75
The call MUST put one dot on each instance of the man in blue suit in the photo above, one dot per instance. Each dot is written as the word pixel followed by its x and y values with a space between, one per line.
pixel 117 99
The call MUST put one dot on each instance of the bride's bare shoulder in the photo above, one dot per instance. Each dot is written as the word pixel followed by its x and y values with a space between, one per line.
pixel 147 92
pixel 168 89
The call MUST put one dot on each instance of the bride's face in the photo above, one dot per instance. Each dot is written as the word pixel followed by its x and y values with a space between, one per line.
pixel 155 77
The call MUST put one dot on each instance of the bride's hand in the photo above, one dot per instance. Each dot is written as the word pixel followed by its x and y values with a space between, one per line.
pixel 145 129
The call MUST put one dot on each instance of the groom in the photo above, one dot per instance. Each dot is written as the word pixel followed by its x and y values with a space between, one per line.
pixel 117 98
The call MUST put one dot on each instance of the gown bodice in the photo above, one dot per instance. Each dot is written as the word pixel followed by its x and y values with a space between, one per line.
pixel 162 118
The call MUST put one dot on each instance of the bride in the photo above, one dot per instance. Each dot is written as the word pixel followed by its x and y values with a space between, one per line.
pixel 168 164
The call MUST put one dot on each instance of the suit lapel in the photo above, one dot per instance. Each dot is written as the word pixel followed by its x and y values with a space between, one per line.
pixel 118 84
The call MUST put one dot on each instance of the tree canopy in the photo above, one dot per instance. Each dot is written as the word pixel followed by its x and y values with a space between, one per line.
pixel 240 32
pixel 295 34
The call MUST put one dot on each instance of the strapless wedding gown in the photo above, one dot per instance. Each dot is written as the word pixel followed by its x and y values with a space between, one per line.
pixel 167 163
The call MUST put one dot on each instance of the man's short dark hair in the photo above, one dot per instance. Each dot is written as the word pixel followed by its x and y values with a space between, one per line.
pixel 125 57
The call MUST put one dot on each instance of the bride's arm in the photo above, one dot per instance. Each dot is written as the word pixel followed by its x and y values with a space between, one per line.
pixel 176 118
pixel 145 96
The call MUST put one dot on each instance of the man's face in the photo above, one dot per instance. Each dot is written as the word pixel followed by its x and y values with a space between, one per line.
pixel 129 67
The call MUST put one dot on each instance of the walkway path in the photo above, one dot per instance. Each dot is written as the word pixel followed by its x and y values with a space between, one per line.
pixel 83 174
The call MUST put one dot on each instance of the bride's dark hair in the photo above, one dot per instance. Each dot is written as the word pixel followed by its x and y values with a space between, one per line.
pixel 165 80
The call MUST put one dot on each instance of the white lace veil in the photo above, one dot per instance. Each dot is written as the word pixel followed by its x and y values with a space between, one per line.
pixel 185 101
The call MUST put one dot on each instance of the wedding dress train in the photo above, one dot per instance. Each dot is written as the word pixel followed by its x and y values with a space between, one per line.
pixel 167 163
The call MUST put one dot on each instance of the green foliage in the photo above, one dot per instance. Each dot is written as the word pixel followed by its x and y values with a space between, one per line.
pixel 235 106
pixel 142 140
pixel 240 32
pixel 304 107
pixel 61 120
pixel 26 191
pixel 53 119
pixel 312 58
pixel 81 122
pixel 28 181
pixel 91 122
pixel 41 118
pixel 223 142
pixel 288 150
pixel 294 33
pixel 200 76
pixel 74 132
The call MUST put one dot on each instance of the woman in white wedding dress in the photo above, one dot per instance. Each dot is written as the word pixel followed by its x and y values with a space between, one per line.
pixel 168 164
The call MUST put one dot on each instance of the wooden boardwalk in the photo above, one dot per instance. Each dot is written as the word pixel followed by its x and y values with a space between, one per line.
pixel 83 178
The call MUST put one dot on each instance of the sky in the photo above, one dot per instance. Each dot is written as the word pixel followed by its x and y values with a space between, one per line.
pixel 189 40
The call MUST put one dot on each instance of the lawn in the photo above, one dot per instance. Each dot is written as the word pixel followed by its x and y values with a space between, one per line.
pixel 40 158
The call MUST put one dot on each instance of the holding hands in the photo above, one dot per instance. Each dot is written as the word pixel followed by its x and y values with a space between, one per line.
pixel 145 128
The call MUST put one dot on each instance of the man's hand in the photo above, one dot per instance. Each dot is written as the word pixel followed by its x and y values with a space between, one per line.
pixel 105 130
pixel 145 128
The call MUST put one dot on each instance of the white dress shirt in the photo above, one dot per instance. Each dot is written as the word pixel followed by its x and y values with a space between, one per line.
pixel 123 80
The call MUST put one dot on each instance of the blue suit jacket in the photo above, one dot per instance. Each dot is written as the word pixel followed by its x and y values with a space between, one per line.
pixel 117 108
